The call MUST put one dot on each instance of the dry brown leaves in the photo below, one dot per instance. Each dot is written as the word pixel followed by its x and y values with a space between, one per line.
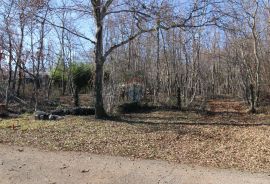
pixel 166 135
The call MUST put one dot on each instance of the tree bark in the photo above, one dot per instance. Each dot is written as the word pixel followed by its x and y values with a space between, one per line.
pixel 179 99
pixel 100 111
pixel 158 67
pixel 252 99
pixel 99 60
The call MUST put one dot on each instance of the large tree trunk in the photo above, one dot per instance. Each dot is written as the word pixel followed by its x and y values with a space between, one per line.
pixel 100 111
pixel 99 59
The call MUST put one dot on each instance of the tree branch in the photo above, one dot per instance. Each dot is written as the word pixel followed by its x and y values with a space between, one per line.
pixel 65 28
pixel 127 40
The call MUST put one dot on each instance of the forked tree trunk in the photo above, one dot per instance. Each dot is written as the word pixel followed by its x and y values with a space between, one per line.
pixel 254 90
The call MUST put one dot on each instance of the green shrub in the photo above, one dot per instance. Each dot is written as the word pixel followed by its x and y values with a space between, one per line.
pixel 82 76
pixel 56 74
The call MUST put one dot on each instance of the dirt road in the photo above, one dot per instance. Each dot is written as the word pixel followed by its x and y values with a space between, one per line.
pixel 31 166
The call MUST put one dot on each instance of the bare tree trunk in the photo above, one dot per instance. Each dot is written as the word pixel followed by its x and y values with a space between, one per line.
pixel 252 99
pixel 19 64
pixel 100 111
pixel 39 61
pixel 179 99
pixel 10 68
pixel 63 61
pixel 99 60
pixel 158 67
pixel 258 63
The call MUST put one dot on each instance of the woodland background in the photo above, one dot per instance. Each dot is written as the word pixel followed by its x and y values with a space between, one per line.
pixel 164 52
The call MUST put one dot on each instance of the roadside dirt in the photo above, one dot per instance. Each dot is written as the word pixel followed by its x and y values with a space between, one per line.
pixel 30 166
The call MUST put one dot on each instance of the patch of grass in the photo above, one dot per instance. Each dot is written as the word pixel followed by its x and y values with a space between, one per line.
pixel 25 122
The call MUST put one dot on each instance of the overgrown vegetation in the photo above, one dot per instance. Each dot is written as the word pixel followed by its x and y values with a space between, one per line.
pixel 82 77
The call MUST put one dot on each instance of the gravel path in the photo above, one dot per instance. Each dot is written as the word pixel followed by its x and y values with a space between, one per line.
pixel 31 166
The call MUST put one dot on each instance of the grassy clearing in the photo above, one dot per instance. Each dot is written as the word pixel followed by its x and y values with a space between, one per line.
pixel 167 135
